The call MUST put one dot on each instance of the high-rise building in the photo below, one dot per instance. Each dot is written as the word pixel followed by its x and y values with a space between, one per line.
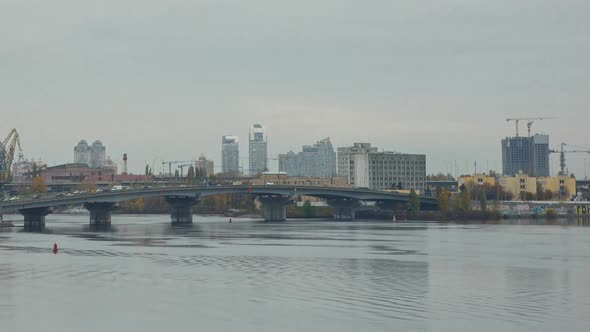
pixel 82 153
pixel 257 148
pixel 365 167
pixel 93 156
pixel 97 155
pixel 527 154
pixel 318 160
pixel 207 167
pixel 230 155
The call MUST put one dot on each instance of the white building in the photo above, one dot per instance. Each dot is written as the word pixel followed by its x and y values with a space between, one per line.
pixel 258 150
pixel 93 156
pixel 318 160
pixel 230 155
pixel 365 167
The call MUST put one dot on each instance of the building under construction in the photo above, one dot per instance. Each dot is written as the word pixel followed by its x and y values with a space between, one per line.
pixel 527 154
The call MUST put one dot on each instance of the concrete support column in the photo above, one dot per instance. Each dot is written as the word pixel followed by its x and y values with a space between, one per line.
pixel 35 217
pixel 100 213
pixel 275 207
pixel 344 208
pixel 182 208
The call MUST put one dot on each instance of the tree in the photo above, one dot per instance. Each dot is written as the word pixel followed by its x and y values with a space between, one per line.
pixel 147 169
pixel 414 204
pixel 307 209
pixel 88 186
pixel 463 201
pixel 548 195
pixel 483 203
pixel 540 194
pixel 442 198
pixel 39 186
pixel 190 175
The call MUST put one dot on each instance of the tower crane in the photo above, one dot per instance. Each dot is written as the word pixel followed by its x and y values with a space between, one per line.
pixel 174 162
pixel 562 153
pixel 529 123
pixel 182 166
pixel 7 149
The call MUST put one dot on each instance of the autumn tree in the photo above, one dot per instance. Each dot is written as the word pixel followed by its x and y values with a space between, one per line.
pixel 39 186
pixel 442 199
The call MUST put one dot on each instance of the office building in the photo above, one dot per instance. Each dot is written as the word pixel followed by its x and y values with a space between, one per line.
pixel 364 167
pixel 230 155
pixel 93 156
pixel 527 154
pixel 258 150
pixel 318 160
pixel 346 153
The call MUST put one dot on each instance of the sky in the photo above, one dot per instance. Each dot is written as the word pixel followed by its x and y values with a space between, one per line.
pixel 164 80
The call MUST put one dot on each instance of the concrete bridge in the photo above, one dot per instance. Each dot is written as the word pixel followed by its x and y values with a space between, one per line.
pixel 274 199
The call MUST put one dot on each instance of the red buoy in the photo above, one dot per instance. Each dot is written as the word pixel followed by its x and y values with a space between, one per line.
pixel 55 248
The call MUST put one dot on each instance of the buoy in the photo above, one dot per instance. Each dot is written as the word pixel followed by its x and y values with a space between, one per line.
pixel 55 248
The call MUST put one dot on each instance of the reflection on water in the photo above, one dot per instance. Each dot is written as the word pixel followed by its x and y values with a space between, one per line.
pixel 143 274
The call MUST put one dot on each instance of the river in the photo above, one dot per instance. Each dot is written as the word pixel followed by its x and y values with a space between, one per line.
pixel 143 274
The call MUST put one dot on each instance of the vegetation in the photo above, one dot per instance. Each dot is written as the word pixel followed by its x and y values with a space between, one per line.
pixel 440 177
pixel 308 211
pixel 39 186
pixel 414 204
pixel 217 204
pixel 442 198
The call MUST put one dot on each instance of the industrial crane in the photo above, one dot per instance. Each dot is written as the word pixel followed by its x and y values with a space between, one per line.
pixel 7 149
pixel 174 162
pixel 529 123
pixel 562 153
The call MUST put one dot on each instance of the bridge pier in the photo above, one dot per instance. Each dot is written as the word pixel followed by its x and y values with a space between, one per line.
pixel 344 208
pixel 275 207
pixel 100 213
pixel 35 217
pixel 182 208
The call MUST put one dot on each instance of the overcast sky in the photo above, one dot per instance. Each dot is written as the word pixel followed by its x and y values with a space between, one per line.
pixel 166 79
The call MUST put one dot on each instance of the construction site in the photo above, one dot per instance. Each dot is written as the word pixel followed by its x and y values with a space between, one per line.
pixel 531 154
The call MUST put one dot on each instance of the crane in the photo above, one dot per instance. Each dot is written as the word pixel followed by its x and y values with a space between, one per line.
pixel 182 168
pixel 529 124
pixel 7 149
pixel 174 162
pixel 562 153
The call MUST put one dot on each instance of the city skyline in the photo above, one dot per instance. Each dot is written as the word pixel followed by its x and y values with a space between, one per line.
pixel 421 77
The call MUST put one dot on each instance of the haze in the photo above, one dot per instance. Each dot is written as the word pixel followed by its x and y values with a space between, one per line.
pixel 166 79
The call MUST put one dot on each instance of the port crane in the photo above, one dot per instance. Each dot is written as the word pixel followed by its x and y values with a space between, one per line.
pixel 529 123
pixel 562 152
pixel 7 149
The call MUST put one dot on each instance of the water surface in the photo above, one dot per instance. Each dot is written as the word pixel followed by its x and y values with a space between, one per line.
pixel 142 274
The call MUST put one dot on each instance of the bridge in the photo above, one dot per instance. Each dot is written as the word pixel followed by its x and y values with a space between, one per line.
pixel 274 198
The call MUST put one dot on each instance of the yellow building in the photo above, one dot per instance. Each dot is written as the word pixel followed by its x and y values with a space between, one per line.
pixel 480 179
pixel 519 185
pixel 562 186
